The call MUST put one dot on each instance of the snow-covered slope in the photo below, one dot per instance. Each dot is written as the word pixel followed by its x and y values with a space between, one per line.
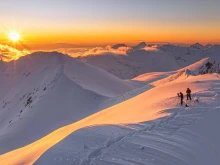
pixel 181 138
pixel 212 52
pixel 188 136
pixel 45 91
pixel 133 64
pixel 142 59
pixel 153 129
pixel 204 66
pixel 151 77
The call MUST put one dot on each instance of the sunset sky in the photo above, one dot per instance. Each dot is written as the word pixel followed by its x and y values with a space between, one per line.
pixel 91 22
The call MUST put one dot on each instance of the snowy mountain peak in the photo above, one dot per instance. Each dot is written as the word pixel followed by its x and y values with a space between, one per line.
pixel 208 46
pixel 140 46
pixel 197 46
pixel 37 64
pixel 52 88
pixel 117 46
pixel 204 66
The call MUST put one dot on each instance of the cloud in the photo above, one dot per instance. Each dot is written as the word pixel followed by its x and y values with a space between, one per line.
pixel 76 52
pixel 107 49
pixel 96 51
pixel 8 53
pixel 151 48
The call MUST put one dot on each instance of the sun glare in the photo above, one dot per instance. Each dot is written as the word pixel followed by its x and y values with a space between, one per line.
pixel 14 36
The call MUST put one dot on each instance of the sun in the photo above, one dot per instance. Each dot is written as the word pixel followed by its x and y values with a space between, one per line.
pixel 14 36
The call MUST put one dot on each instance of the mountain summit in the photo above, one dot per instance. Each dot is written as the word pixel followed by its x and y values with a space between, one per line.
pixel 117 46
pixel 140 46
pixel 197 46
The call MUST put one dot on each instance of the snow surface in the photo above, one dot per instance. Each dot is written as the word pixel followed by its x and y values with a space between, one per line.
pixel 111 122
pixel 143 58
pixel 183 136
pixel 132 65
pixel 45 91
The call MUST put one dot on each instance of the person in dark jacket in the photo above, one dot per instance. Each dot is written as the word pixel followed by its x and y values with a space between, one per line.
pixel 188 94
pixel 181 97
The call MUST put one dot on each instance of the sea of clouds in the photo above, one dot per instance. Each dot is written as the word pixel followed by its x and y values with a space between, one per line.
pixel 9 53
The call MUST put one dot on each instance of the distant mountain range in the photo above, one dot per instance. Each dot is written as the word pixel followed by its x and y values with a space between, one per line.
pixel 140 59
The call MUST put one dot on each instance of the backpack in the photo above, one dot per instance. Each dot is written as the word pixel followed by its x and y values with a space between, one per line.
pixel 188 91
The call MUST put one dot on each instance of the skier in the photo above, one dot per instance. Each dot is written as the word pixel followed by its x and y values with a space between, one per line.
pixel 188 94
pixel 181 97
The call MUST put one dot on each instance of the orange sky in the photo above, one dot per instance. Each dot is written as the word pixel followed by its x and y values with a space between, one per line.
pixel 129 34
pixel 44 24
pixel 104 35
pixel 112 35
